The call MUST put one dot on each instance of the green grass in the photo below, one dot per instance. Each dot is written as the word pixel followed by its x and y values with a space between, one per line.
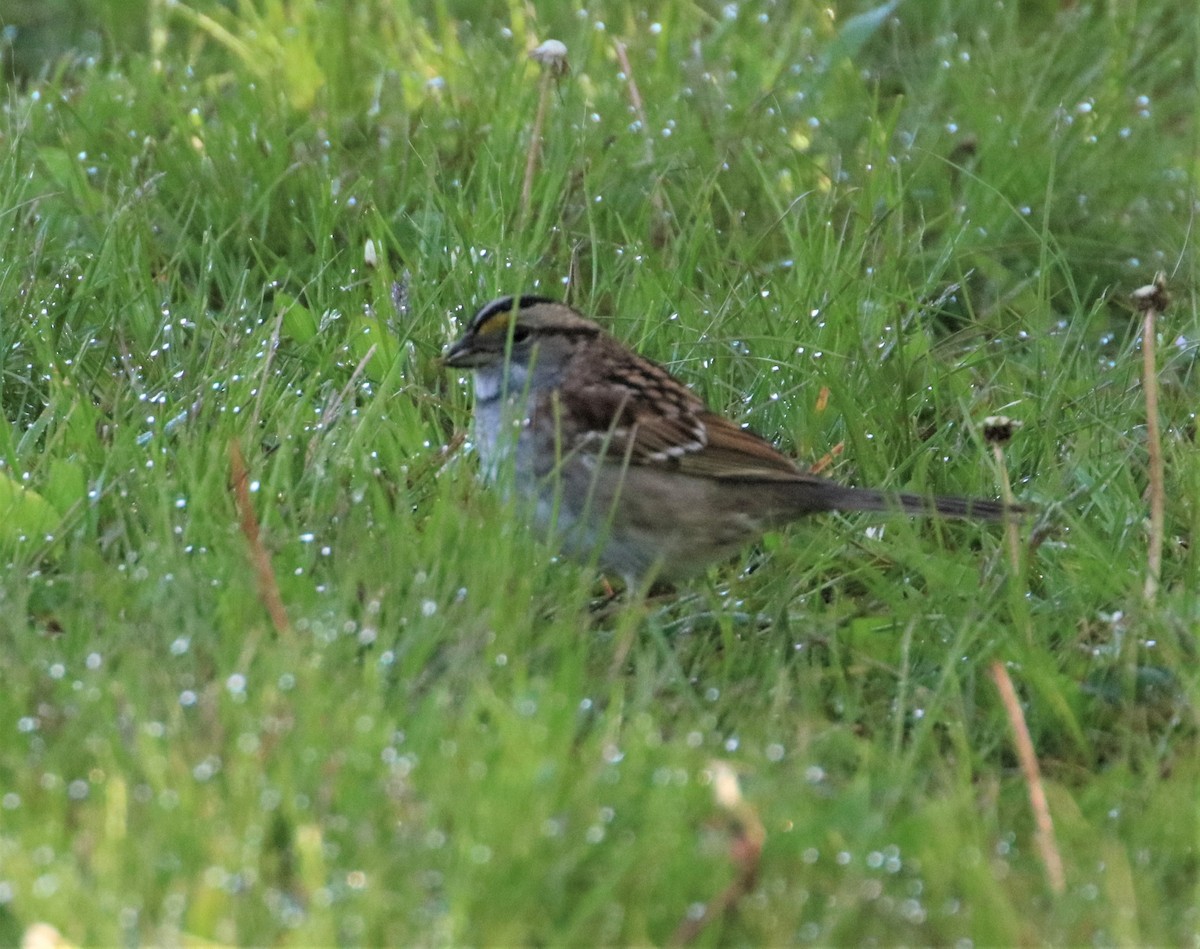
pixel 936 215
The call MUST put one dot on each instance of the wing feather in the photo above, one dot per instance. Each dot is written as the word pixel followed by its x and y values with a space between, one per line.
pixel 639 414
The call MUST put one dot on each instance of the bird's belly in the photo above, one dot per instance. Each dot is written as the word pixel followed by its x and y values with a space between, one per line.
pixel 633 523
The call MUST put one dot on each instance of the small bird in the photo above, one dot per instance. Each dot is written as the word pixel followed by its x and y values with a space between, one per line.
pixel 624 463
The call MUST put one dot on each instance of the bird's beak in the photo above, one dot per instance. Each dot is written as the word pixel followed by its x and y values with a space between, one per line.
pixel 459 355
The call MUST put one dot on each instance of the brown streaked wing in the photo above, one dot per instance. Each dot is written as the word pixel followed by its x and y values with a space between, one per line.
pixel 733 452
pixel 634 408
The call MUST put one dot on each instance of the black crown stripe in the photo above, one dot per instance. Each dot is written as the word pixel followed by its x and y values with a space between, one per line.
pixel 506 305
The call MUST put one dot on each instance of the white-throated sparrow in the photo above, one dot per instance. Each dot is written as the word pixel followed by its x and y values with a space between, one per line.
pixel 623 461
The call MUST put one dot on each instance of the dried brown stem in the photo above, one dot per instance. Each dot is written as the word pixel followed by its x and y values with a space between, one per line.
pixel 827 459
pixel 1011 531
pixel 1047 844
pixel 535 143
pixel 635 97
pixel 552 56
pixel 747 836
pixel 997 431
pixel 272 348
pixel 639 110
pixel 335 404
pixel 268 589
pixel 1151 300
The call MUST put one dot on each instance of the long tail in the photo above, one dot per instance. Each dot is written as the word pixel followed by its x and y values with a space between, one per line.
pixel 866 499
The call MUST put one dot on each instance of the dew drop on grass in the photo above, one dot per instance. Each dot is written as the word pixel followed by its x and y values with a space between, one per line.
pixel 912 911
pixel 216 877
pixel 481 853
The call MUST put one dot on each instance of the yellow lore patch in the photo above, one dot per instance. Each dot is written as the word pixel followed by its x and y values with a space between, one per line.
pixel 495 324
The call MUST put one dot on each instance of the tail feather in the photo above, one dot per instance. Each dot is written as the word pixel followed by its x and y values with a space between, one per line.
pixel 867 499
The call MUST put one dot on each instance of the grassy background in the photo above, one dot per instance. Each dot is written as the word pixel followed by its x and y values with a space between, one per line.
pixel 932 211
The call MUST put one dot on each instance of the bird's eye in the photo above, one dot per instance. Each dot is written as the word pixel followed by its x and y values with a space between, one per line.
pixel 520 334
